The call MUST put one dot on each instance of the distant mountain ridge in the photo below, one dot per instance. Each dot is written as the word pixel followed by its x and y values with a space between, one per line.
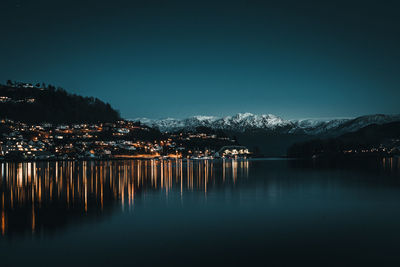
pixel 240 121
pixel 378 139
pixel 243 122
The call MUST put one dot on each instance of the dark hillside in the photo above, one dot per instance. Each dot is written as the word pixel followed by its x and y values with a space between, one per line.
pixel 385 137
pixel 39 103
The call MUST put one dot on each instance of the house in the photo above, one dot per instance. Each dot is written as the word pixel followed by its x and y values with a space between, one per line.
pixel 232 151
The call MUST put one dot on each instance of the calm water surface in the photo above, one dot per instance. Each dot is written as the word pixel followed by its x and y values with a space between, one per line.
pixel 205 213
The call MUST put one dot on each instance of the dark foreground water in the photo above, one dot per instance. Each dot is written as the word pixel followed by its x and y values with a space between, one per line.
pixel 205 213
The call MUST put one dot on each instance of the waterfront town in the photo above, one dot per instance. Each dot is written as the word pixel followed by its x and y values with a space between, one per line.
pixel 119 140
pixel 42 122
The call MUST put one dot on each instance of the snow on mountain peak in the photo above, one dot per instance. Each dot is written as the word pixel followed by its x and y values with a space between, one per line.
pixel 205 118
pixel 239 121
pixel 241 116
pixel 248 121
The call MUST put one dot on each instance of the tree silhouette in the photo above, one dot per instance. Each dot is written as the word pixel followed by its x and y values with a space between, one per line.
pixel 54 105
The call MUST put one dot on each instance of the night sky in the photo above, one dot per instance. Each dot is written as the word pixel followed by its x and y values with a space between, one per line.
pixel 156 59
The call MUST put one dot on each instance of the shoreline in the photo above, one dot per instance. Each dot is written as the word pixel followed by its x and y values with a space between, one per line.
pixel 205 159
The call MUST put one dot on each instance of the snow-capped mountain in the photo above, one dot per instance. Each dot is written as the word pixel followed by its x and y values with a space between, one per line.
pixel 317 126
pixel 268 122
pixel 335 127
pixel 238 122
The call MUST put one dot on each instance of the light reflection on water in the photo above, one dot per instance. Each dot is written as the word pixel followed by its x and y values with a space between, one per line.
pixel 231 212
pixel 87 185
pixel 35 194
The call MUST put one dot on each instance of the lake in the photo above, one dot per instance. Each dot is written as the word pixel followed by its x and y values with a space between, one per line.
pixel 200 213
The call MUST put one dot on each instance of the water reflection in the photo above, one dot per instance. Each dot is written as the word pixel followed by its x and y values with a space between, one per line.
pixel 45 197
pixel 391 164
pixel 144 212
pixel 39 196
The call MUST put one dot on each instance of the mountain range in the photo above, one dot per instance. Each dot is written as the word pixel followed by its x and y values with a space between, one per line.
pixel 267 134
pixel 243 122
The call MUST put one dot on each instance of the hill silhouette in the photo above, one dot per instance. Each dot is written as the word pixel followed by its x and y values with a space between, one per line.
pixel 365 138
pixel 40 103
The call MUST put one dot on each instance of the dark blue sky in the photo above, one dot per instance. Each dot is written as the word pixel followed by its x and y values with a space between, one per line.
pixel 157 59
